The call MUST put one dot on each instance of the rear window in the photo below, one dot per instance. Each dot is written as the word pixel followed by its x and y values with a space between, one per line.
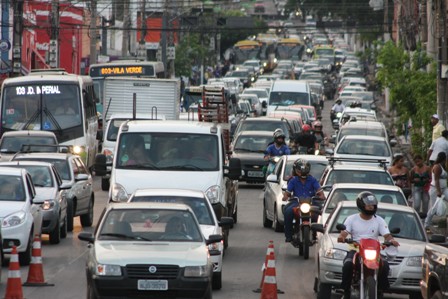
pixel 361 131
pixel 13 144
pixel 265 126
pixel 359 176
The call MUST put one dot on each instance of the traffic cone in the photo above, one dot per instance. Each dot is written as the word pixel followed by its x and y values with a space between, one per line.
pixel 14 284
pixel 269 289
pixel 263 268
pixel 36 271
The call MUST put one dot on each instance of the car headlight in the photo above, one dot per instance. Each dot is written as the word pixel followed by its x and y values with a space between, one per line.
pixel 265 64
pixel 334 253
pixel 107 270
pixel 119 193
pixel 47 205
pixel 109 155
pixel 218 246
pixel 14 219
pixel 78 149
pixel 305 208
pixel 213 194
pixel 196 271
pixel 414 261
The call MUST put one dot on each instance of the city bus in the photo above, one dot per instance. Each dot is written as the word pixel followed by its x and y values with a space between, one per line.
pixel 290 49
pixel 123 68
pixel 56 101
pixel 246 50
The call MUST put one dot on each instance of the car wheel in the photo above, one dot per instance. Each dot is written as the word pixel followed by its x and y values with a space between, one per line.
pixel 217 280
pixel 87 219
pixel 277 226
pixel 323 290
pixel 105 184
pixel 266 222
pixel 25 257
pixel 70 214
pixel 90 292
pixel 64 228
pixel 55 234
pixel 436 295
pixel 226 238
pixel 208 293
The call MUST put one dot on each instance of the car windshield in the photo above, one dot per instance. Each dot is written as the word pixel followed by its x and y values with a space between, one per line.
pixel 200 209
pixel 40 175
pixel 317 168
pixel 364 147
pixel 149 225
pixel 61 165
pixel 13 144
pixel 410 227
pixel 252 143
pixel 359 176
pixel 288 98
pixel 350 194
pixel 259 93
pixel 168 151
pixel 11 188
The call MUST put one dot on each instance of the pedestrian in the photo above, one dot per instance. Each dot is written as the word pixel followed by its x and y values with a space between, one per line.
pixel 437 146
pixel 420 176
pixel 438 186
pixel 437 127
pixel 400 174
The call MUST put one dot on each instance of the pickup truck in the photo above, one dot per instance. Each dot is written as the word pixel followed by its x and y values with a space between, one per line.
pixel 434 283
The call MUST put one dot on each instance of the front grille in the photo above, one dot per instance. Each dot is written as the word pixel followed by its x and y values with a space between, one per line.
pixel 411 282
pixel 142 272
pixel 392 280
pixel 394 262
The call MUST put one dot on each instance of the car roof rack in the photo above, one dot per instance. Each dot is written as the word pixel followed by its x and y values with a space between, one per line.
pixel 381 162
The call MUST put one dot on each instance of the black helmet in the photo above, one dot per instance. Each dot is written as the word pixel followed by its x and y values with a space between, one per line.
pixel 366 198
pixel 279 134
pixel 303 165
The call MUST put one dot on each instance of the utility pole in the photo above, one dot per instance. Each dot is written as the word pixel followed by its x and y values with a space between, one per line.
pixel 54 37
pixel 142 42
pixel 17 38
pixel 93 32
pixel 386 21
pixel 443 61
pixel 126 25
pixel 163 39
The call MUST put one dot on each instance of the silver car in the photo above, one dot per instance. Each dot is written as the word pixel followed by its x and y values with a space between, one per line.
pixel 405 268
pixel 76 179
pixel 49 187
pixel 278 180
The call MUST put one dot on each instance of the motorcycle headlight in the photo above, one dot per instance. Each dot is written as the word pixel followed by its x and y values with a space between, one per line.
pixel 107 270
pixel 213 194
pixel 305 208
pixel 414 261
pixel 78 149
pixel 14 219
pixel 370 254
pixel 334 253
pixel 196 271
pixel 47 205
pixel 119 193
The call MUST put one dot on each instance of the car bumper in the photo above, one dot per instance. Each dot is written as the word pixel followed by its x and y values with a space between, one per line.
pixel 123 288
pixel 407 281
pixel 49 220
pixel 18 236
pixel 330 271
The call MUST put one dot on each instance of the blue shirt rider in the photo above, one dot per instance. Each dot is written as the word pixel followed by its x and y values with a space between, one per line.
pixel 301 185
pixel 276 149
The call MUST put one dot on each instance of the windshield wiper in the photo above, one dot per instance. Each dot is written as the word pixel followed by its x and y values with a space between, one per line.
pixel 141 166
pixel 184 167
pixel 125 236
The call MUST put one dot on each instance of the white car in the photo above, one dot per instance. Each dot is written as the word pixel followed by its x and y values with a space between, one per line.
pixel 254 102
pixel 278 180
pixel 203 210
pixel 262 95
pixel 20 213
pixel 151 249
pixel 405 268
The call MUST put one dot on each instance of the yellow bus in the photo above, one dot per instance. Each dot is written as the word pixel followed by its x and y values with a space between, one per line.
pixel 290 49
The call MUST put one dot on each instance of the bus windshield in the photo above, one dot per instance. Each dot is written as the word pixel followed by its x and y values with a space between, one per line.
pixel 51 107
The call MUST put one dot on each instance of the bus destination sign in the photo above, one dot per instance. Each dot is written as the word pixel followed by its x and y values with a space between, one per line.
pixel 32 90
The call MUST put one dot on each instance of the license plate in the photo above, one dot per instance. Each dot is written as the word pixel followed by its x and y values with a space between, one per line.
pixel 154 285
pixel 256 174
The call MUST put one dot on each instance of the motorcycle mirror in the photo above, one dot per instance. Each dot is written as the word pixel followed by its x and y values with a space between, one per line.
pixel 340 227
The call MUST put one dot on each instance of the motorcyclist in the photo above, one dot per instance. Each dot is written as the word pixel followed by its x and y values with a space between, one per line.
pixel 321 138
pixel 365 225
pixel 338 107
pixel 276 149
pixel 301 185
pixel 306 139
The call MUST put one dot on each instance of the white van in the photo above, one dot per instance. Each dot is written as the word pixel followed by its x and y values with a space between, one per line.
pixel 173 154
pixel 289 92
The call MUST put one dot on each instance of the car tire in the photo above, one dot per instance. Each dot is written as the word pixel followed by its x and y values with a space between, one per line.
pixel 70 214
pixel 266 222
pixel 436 295
pixel 64 228
pixel 226 233
pixel 105 184
pixel 90 292
pixel 55 234
pixel 277 226
pixel 306 242
pixel 418 295
pixel 235 216
pixel 217 280
pixel 323 290
pixel 87 219
pixel 25 257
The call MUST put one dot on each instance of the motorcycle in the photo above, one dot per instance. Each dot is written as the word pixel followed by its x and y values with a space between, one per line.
pixel 301 236
pixel 335 119
pixel 365 278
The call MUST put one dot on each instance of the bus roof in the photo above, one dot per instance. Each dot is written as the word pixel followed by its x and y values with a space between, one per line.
pixel 48 77
pixel 244 43
pixel 290 41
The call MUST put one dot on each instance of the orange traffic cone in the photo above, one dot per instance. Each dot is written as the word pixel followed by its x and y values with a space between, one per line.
pixel 269 289
pixel 263 267
pixel 36 271
pixel 14 284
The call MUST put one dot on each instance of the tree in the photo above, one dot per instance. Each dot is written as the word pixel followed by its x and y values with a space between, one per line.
pixel 188 53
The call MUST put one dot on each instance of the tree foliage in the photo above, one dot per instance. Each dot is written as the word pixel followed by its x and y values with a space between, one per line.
pixel 413 90
pixel 188 53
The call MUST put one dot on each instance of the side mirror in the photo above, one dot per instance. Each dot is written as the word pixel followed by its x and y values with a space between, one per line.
pixel 436 238
pixel 86 237
pixel 100 165
pixel 233 171
pixel 211 239
pixel 226 222
pixel 272 178
pixel 329 151
pixel 395 230
pixel 82 177
pixel 317 227
pixel 38 200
